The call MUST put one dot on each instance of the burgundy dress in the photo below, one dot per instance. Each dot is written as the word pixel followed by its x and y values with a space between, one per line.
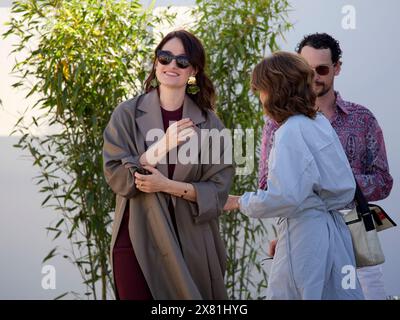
pixel 129 279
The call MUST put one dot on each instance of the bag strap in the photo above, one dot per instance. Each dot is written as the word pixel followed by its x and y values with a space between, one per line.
pixel 363 209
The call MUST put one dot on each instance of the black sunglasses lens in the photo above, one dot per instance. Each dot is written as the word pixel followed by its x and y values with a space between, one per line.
pixel 164 58
pixel 322 70
pixel 182 62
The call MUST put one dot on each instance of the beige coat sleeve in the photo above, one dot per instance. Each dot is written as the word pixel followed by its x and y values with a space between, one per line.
pixel 213 189
pixel 120 156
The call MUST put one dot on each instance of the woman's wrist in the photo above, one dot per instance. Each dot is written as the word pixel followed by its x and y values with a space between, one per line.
pixel 167 186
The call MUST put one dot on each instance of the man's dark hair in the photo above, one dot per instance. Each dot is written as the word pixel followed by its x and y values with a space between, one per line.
pixel 322 41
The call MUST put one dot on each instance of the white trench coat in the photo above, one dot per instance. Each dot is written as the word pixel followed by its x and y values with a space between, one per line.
pixel 309 180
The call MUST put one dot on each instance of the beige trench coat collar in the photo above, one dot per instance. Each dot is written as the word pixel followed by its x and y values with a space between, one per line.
pixel 152 119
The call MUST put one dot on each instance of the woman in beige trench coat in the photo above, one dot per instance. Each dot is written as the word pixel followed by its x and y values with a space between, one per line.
pixel 169 212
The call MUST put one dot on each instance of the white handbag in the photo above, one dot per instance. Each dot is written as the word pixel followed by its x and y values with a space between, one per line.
pixel 364 221
pixel 366 245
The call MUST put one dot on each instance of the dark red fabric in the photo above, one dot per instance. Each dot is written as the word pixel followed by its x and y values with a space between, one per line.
pixel 129 279
pixel 167 117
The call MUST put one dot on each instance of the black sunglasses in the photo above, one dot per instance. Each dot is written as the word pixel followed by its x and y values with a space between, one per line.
pixel 322 70
pixel 166 57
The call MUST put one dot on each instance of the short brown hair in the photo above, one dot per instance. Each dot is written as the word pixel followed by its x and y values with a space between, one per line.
pixel 287 79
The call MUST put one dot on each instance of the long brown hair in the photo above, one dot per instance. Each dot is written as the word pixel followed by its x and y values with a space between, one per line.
pixel 287 79
pixel 194 49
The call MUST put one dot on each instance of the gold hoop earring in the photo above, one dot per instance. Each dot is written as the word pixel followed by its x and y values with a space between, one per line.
pixel 192 85
pixel 154 82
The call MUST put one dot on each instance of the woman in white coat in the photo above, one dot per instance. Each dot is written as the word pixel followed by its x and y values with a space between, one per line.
pixel 309 180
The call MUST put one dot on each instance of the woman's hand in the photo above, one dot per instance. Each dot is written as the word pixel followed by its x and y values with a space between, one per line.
pixel 178 132
pixel 154 182
pixel 232 203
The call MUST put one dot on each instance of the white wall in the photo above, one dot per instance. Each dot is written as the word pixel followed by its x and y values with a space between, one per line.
pixel 369 76
pixel 23 239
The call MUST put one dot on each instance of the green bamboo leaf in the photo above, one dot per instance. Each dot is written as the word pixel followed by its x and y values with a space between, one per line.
pixel 52 229
pixel 59 222
pixel 46 199
pixel 57 235
pixel 61 296
pixel 50 255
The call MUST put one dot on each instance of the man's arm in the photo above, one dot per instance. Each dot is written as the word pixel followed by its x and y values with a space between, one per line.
pixel 376 183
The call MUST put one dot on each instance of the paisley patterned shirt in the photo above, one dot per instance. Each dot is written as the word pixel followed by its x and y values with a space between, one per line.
pixel 362 140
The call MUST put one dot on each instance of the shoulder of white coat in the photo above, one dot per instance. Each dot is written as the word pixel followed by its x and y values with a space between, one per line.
pixel 291 129
pixel 292 142
pixel 305 134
